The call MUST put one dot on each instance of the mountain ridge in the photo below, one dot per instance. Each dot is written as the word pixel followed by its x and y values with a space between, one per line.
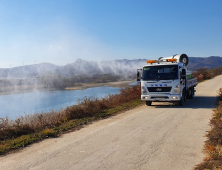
pixel 85 67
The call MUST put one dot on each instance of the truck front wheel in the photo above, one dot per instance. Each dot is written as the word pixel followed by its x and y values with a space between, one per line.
pixel 148 103
pixel 181 102
pixel 190 93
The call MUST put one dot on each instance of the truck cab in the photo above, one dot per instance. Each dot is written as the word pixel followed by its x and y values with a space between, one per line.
pixel 166 80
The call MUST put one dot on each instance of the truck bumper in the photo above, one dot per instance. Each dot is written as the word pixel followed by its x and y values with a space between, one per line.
pixel 161 98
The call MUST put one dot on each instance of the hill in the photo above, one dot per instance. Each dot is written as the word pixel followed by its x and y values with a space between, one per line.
pixel 208 62
pixel 82 67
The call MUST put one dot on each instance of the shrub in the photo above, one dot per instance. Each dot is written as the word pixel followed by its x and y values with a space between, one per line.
pixel 48 133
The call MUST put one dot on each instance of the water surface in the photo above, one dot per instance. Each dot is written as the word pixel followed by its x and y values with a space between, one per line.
pixel 15 105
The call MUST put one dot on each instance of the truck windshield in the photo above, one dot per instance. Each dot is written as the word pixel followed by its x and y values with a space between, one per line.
pixel 165 72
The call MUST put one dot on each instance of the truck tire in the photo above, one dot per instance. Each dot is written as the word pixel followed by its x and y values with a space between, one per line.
pixel 181 102
pixel 189 94
pixel 148 103
pixel 192 93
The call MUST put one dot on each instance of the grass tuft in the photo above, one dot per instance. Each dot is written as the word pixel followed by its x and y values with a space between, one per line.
pixel 48 133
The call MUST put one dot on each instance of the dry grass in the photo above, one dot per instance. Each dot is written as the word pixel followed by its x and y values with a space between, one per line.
pixel 213 146
pixel 26 130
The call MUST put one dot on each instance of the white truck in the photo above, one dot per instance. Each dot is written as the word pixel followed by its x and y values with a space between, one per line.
pixel 166 80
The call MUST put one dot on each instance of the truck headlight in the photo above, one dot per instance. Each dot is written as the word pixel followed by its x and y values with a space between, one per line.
pixel 176 89
pixel 143 90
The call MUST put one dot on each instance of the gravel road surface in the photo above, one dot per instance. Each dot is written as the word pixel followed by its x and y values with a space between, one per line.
pixel 163 136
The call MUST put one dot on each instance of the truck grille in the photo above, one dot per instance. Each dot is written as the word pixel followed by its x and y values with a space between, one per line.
pixel 159 89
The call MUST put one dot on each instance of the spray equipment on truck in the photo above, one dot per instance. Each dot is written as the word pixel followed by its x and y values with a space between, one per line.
pixel 183 58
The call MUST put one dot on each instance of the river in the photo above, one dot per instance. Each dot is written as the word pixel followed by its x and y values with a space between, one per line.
pixel 16 105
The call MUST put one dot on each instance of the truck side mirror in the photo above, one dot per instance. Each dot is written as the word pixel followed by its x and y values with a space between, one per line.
pixel 183 73
pixel 139 75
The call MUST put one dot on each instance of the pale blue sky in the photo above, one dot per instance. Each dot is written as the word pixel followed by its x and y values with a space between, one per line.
pixel 60 31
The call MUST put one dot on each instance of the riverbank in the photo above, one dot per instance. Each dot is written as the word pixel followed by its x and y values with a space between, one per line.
pixel 81 86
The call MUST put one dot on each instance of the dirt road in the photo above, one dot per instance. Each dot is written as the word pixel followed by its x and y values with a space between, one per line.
pixel 163 136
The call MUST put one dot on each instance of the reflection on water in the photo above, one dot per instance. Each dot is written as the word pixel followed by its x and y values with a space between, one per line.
pixel 15 105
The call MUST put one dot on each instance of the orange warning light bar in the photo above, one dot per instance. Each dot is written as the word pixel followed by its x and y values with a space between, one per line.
pixel 150 61
pixel 171 60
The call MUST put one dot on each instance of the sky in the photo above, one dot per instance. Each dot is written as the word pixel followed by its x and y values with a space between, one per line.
pixel 61 31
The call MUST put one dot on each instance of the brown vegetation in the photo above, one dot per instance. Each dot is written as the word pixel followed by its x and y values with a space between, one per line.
pixel 204 73
pixel 213 146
